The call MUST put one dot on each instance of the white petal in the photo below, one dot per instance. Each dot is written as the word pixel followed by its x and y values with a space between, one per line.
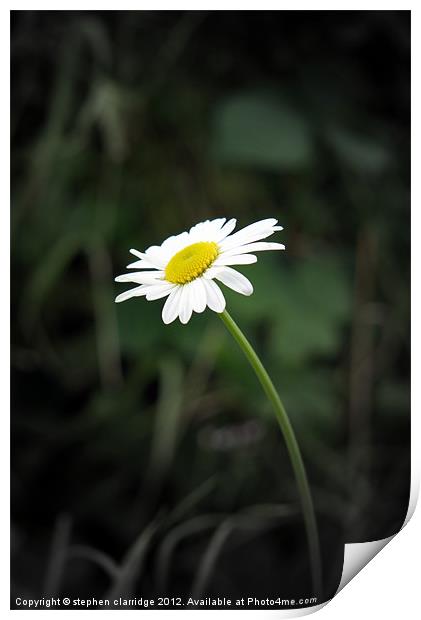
pixel 185 304
pixel 235 259
pixel 158 264
pixel 137 253
pixel 176 243
pixel 198 294
pixel 142 277
pixel 171 306
pixel 235 280
pixel 259 225
pixel 169 244
pixel 200 226
pixel 156 255
pixel 233 241
pixel 212 272
pixel 256 226
pixel 214 296
pixel 206 231
pixel 253 232
pixel 159 291
pixel 141 264
pixel 226 230
pixel 138 291
pixel 259 246
pixel 217 224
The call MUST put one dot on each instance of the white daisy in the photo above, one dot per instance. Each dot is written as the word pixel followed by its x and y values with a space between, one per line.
pixel 184 268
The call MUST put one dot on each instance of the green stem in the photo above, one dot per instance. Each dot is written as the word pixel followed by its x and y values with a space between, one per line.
pixel 292 446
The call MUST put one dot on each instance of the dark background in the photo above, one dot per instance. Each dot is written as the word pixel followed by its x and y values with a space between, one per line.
pixel 145 458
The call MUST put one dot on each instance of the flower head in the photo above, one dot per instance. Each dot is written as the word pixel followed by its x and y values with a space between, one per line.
pixel 185 266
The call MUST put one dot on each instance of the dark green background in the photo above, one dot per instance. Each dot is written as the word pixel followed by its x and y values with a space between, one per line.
pixel 152 447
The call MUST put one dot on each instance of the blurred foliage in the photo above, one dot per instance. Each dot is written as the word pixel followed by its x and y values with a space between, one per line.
pixel 131 126
pixel 256 131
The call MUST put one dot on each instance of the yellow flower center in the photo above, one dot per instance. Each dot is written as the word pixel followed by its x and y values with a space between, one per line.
pixel 189 263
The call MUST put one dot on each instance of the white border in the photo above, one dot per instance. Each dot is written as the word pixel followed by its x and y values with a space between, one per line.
pixel 391 581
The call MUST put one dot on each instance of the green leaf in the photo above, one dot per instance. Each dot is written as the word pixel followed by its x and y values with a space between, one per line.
pixel 261 131
pixel 361 153
pixel 313 304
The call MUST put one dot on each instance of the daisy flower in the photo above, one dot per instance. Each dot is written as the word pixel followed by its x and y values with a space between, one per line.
pixel 185 267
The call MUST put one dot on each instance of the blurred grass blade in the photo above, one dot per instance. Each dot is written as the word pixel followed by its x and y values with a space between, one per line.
pixel 211 556
pixel 192 499
pixel 58 555
pixel 107 338
pixel 95 556
pixel 252 518
pixel 47 273
pixel 133 562
pixel 167 422
pixel 173 538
